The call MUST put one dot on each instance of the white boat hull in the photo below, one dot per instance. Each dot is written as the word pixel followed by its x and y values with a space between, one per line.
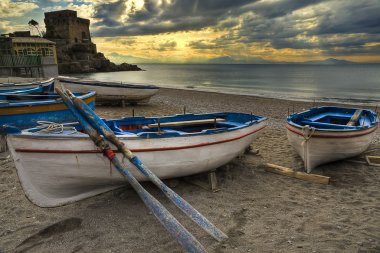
pixel 104 93
pixel 58 170
pixel 324 146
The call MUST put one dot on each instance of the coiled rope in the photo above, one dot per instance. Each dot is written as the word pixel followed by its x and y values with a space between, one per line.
pixel 55 128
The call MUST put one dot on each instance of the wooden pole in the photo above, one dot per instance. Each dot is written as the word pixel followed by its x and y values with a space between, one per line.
pixel 297 174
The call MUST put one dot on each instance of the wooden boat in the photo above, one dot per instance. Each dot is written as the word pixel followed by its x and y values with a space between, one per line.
pixel 29 91
pixel 55 169
pixel 23 111
pixel 111 91
pixel 38 86
pixel 325 134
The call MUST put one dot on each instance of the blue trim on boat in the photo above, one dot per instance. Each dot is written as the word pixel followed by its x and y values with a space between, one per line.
pixel 49 101
pixel 111 84
pixel 13 120
pixel 331 118
pixel 35 90
pixel 44 86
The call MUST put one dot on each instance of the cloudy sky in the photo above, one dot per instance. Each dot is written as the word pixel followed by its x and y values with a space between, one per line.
pixel 185 31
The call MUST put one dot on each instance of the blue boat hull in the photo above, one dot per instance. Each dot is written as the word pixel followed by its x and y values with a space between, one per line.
pixel 29 88
pixel 24 115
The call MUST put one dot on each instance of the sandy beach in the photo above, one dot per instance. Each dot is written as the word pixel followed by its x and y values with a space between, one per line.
pixel 258 210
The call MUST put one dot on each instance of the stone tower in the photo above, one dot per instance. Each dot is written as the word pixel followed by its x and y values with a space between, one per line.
pixel 67 26
pixel 75 51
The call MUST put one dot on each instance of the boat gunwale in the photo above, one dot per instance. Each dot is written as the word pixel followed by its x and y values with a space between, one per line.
pixel 19 89
pixel 27 103
pixel 26 84
pixel 290 121
pixel 129 136
pixel 111 84
pixel 333 133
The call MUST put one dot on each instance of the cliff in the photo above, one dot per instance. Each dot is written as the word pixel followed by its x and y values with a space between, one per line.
pixel 69 63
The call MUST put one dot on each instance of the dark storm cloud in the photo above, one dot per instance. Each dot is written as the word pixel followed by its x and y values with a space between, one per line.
pixel 326 42
pixel 275 9
pixel 351 17
pixel 351 23
pixel 180 15
pixel 334 26
pixel 110 13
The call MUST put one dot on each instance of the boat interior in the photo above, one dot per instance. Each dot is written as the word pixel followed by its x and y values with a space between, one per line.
pixel 181 124
pixel 335 118
pixel 178 125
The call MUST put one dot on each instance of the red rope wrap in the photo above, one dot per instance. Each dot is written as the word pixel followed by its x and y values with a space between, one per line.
pixel 109 153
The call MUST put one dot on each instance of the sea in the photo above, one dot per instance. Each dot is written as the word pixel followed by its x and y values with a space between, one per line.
pixel 353 83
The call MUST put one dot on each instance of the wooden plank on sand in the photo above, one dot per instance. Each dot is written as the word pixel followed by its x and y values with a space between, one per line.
pixel 373 160
pixel 297 174
pixel 188 122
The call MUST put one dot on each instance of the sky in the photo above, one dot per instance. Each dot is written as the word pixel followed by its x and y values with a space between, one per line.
pixel 210 31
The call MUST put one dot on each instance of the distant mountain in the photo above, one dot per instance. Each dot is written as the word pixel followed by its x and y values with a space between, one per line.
pixel 120 58
pixel 329 61
pixel 223 60
pixel 230 60
pixel 258 60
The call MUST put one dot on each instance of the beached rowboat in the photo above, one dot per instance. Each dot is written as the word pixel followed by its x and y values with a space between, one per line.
pixel 29 91
pixel 111 91
pixel 23 111
pixel 28 87
pixel 325 134
pixel 55 169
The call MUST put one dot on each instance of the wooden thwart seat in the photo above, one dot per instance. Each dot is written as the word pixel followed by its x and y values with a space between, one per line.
pixel 355 117
pixel 187 122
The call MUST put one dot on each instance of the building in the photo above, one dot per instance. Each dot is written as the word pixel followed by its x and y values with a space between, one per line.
pixel 27 56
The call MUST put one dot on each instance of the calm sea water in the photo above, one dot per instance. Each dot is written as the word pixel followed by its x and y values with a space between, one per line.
pixel 342 83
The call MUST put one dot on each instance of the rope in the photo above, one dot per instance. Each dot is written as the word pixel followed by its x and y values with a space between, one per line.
pixel 307 132
pixel 54 128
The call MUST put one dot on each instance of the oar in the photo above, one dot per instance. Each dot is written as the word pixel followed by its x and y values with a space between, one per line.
pixel 187 240
pixel 190 211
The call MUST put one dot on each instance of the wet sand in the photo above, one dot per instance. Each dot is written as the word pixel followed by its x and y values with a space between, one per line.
pixel 259 211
